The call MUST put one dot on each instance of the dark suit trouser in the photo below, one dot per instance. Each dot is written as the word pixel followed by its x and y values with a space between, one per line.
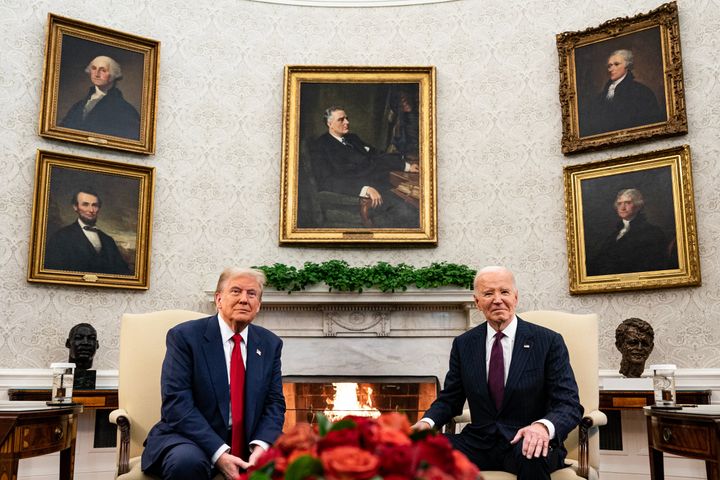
pixel 508 458
pixel 185 461
pixel 394 213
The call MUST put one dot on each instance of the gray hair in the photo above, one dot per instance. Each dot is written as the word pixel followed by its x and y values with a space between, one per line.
pixel 627 55
pixel 113 66
pixel 493 269
pixel 234 272
pixel 329 111
pixel 634 194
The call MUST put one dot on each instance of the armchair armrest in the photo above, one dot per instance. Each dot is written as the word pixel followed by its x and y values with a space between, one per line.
pixel 464 417
pixel 595 418
pixel 121 418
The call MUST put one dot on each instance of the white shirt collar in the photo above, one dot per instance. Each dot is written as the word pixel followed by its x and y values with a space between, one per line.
pixel 509 331
pixel 226 332
pixel 339 139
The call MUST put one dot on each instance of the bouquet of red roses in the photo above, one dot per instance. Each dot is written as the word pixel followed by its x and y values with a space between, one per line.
pixel 362 448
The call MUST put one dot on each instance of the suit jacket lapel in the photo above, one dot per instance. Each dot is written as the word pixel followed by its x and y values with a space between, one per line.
pixel 520 356
pixel 478 362
pixel 217 367
pixel 254 366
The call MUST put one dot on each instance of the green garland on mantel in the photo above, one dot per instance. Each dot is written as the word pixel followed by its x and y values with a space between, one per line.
pixel 340 276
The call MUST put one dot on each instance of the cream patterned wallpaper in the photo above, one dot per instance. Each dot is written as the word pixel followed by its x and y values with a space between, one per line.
pixel 218 154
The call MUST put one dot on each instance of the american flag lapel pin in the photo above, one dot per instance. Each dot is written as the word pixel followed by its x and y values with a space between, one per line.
pixel 258 352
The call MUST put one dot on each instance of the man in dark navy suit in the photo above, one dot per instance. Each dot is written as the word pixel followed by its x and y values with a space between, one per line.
pixel 194 438
pixel 81 246
pixel 517 380
pixel 344 163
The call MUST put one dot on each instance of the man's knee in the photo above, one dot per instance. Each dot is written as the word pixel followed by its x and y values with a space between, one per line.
pixel 186 462
pixel 534 468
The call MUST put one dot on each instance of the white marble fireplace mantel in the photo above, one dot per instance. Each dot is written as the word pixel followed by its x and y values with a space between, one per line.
pixel 317 312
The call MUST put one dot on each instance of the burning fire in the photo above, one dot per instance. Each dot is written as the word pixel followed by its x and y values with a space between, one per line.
pixel 347 402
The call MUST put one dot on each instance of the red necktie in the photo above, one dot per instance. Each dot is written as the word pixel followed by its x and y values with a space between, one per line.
pixel 496 371
pixel 237 397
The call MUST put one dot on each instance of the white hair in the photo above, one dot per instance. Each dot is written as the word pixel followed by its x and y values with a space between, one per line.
pixel 627 55
pixel 493 269
pixel 113 66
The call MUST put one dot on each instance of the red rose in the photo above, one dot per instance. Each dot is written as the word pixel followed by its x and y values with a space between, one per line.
pixel 395 421
pixel 387 436
pixel 300 437
pixel 368 428
pixel 464 468
pixel 339 438
pixel 397 460
pixel 349 463
pixel 437 451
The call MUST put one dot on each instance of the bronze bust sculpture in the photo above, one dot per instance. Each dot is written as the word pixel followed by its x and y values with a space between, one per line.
pixel 82 342
pixel 635 339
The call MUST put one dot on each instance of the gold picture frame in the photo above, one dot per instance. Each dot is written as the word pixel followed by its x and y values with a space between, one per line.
pixel 657 244
pixel 326 186
pixel 637 96
pixel 91 222
pixel 99 86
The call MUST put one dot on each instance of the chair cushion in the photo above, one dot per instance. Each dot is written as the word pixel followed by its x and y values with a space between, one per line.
pixel 569 473
pixel 136 474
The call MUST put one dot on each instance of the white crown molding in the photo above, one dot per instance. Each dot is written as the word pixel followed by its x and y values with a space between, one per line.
pixel 352 3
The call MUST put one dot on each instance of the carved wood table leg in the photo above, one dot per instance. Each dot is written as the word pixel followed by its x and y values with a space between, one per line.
pixel 8 468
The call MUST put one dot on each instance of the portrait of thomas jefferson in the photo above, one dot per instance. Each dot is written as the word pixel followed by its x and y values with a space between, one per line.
pixel 629 223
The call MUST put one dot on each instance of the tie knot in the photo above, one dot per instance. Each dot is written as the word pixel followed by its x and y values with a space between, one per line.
pixel 90 228
pixel 499 336
pixel 237 339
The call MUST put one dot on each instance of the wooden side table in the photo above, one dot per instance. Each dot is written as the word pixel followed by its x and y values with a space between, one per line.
pixel 612 402
pixel 102 401
pixel 692 432
pixel 101 398
pixel 29 429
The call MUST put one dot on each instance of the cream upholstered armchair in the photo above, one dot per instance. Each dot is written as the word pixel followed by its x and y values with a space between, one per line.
pixel 580 333
pixel 142 350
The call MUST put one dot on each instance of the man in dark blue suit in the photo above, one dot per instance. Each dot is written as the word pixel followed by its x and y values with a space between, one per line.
pixel 517 380
pixel 193 437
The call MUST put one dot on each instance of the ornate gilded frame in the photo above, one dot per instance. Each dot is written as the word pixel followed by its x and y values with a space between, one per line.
pixel 70 47
pixel 655 39
pixel 664 178
pixel 308 90
pixel 126 194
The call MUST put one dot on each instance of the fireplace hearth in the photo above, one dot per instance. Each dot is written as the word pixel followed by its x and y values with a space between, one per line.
pixel 340 395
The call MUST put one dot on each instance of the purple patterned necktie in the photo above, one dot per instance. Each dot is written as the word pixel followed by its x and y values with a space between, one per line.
pixel 496 371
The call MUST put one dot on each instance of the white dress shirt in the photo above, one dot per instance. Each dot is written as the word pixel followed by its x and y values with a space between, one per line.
pixel 226 334
pixel 611 89
pixel 93 237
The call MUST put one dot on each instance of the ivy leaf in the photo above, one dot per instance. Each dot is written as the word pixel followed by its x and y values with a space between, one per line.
pixel 323 424
pixel 305 466
pixel 343 424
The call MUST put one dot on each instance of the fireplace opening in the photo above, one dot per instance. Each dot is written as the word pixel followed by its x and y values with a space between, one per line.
pixel 336 396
